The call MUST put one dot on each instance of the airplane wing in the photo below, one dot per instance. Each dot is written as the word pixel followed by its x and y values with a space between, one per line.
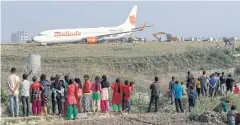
pixel 133 30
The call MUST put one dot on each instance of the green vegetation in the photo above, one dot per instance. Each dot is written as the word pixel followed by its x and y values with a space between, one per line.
pixel 4 96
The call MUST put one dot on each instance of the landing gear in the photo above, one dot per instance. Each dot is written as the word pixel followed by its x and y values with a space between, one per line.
pixel 85 41
pixel 43 44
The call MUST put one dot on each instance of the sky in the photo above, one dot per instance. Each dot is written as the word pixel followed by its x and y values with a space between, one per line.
pixel 190 18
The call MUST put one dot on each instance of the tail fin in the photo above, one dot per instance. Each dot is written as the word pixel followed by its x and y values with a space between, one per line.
pixel 131 19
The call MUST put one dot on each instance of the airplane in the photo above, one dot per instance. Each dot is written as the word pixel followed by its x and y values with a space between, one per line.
pixel 91 35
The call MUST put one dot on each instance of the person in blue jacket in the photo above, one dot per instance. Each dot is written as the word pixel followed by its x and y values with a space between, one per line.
pixel 178 93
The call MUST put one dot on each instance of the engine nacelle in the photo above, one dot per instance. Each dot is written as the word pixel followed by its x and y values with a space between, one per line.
pixel 92 40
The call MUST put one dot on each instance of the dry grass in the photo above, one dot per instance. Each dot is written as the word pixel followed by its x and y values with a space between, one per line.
pixel 110 49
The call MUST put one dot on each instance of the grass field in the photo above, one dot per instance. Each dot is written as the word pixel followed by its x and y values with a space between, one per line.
pixel 137 62
pixel 108 49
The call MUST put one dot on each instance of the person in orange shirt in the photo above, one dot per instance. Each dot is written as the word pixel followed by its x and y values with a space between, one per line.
pixel 86 94
pixel 117 95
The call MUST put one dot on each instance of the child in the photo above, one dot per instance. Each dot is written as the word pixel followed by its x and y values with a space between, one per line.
pixel 184 88
pixel 236 89
pixel 36 98
pixel 198 86
pixel 231 115
pixel 96 88
pixel 192 96
pixel 127 92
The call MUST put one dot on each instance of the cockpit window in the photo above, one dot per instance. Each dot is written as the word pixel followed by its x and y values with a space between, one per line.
pixel 41 34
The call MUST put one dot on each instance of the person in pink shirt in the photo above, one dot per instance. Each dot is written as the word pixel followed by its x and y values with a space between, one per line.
pixel 96 88
pixel 236 89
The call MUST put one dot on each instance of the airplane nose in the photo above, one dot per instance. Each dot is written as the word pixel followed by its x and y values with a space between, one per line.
pixel 36 39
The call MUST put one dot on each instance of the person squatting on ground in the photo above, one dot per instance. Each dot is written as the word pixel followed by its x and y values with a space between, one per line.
pixel 86 94
pixel 236 89
pixel 96 88
pixel 72 90
pixel 192 98
pixel 127 98
pixel 36 96
pixel 24 90
pixel 79 96
pixel 104 94
pixel 13 82
pixel 45 93
pixel 171 89
pixel 231 115
pixel 178 92
pixel 226 104
pixel 204 83
pixel 155 92
pixel 117 88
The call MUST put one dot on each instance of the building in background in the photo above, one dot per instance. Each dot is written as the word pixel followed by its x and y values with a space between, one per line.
pixel 19 37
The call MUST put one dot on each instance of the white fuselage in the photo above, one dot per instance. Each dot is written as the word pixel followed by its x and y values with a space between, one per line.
pixel 91 35
pixel 49 36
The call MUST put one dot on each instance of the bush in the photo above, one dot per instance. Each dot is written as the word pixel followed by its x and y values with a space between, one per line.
pixel 4 96
pixel 237 71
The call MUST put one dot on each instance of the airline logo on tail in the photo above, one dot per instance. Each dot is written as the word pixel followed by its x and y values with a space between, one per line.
pixel 132 19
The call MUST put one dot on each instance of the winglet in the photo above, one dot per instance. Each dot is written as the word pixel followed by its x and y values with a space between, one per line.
pixel 143 27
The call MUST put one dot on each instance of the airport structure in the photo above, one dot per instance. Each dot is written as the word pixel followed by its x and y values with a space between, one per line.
pixel 19 37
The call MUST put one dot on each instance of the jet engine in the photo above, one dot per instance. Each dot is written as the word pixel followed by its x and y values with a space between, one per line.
pixel 92 40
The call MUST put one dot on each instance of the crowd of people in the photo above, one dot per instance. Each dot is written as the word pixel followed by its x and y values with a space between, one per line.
pixel 204 87
pixel 70 95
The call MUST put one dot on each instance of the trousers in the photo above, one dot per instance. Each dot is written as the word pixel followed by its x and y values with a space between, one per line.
pixel 25 105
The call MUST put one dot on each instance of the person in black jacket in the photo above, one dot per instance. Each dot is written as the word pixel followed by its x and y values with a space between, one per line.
pixel 155 92
pixel 229 84
pixel 58 85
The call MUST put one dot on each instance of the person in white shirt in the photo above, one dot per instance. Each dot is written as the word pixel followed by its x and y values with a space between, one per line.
pixel 24 90
pixel 13 85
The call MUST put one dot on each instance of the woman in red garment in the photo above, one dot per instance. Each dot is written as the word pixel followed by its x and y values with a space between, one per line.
pixel 79 96
pixel 117 95
pixel 72 89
